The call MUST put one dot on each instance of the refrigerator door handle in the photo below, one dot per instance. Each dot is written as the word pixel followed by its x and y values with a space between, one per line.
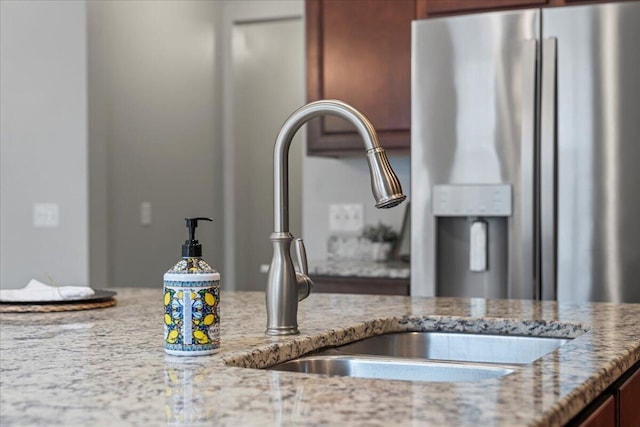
pixel 523 269
pixel 548 206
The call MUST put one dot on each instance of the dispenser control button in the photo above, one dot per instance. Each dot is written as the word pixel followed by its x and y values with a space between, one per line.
pixel 472 200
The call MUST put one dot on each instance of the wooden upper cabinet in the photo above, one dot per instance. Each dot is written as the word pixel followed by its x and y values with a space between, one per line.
pixel 360 52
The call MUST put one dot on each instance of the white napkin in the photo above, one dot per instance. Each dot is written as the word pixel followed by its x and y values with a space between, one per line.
pixel 38 291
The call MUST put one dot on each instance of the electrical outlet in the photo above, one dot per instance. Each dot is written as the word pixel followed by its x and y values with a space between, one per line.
pixel 335 218
pixel 354 217
pixel 46 215
pixel 346 217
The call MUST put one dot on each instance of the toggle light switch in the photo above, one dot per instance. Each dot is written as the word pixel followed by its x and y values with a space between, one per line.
pixel 145 213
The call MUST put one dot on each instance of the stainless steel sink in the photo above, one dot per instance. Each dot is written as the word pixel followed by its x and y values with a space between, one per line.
pixel 391 368
pixel 463 347
pixel 426 356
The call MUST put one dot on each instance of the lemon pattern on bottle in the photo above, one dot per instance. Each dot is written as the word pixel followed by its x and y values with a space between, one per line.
pixel 204 316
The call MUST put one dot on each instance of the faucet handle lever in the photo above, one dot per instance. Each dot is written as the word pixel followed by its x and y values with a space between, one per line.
pixel 300 255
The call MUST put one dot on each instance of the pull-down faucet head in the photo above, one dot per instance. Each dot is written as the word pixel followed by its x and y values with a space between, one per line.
pixel 384 182
pixel 285 286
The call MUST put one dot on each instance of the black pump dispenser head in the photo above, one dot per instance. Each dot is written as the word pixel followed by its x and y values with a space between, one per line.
pixel 192 248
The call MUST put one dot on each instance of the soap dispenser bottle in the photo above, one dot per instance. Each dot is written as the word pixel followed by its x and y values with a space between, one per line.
pixel 191 301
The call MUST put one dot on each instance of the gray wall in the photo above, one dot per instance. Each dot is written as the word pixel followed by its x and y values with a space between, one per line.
pixel 155 136
pixel 43 140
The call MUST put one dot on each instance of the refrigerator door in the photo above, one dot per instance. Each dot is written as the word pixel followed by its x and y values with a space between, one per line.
pixel 590 152
pixel 473 155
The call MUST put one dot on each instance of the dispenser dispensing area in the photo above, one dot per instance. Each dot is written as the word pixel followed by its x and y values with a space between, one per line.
pixel 471 236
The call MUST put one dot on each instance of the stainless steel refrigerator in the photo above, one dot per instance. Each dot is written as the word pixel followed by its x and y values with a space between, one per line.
pixel 525 154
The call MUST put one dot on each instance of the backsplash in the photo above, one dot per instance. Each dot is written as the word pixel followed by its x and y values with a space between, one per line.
pixel 342 247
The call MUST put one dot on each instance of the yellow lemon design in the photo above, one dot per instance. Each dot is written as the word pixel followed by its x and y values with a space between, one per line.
pixel 208 319
pixel 172 337
pixel 167 319
pixel 209 299
pixel 173 377
pixel 167 298
pixel 179 295
pixel 201 337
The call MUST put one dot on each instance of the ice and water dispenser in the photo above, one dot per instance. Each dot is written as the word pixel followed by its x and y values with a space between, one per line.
pixel 472 239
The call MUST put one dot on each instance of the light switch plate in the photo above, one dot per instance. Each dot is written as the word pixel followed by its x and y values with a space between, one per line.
pixel 145 213
pixel 46 215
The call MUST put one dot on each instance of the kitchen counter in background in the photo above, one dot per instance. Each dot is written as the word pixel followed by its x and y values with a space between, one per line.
pixel 108 366
pixel 367 269
pixel 361 277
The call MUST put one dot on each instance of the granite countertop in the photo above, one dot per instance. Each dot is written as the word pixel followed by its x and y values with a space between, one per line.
pixel 361 268
pixel 108 366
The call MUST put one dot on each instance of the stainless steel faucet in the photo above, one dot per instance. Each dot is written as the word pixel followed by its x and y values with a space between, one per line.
pixel 286 286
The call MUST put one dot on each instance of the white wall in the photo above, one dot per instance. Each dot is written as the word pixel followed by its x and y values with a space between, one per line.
pixel 43 140
pixel 155 136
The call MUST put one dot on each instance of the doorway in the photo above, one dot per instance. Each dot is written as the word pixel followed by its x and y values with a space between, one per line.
pixel 267 85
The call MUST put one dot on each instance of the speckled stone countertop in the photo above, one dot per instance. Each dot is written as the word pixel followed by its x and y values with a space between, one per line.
pixel 366 269
pixel 108 366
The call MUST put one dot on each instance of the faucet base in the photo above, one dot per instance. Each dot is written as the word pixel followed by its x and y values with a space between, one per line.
pixel 282 331
pixel 283 289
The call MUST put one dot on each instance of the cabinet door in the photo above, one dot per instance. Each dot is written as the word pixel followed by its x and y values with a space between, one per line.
pixel 360 52
pixel 603 416
pixel 629 401
pixel 360 285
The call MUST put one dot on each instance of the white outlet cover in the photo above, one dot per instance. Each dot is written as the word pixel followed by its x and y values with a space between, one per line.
pixel 354 217
pixel 46 215
pixel 336 217
pixel 346 217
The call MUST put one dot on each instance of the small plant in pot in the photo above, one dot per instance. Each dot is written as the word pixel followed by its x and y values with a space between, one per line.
pixel 382 237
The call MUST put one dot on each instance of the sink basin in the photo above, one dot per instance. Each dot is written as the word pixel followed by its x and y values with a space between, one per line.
pixel 391 368
pixel 463 347
pixel 426 356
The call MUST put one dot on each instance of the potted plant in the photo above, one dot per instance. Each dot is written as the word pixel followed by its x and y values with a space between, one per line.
pixel 382 237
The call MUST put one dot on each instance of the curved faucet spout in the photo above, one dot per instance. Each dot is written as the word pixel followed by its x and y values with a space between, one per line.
pixel 384 182
pixel 286 286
